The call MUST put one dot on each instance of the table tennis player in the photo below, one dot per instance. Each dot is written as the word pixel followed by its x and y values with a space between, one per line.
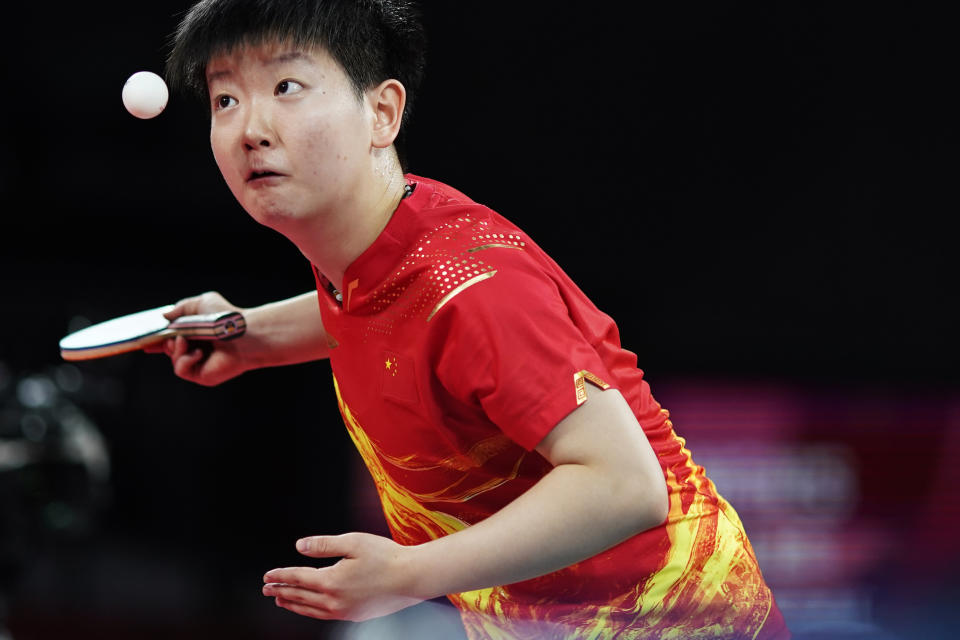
pixel 525 470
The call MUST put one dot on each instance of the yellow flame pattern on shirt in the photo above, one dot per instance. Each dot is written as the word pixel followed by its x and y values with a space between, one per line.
pixel 708 585
pixel 407 518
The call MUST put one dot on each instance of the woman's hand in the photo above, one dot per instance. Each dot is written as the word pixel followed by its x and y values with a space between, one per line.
pixel 371 579
pixel 209 362
pixel 278 333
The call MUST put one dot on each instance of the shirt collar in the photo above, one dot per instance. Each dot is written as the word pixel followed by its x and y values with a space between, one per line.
pixel 375 264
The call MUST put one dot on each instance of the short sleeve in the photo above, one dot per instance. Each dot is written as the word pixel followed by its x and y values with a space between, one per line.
pixel 508 345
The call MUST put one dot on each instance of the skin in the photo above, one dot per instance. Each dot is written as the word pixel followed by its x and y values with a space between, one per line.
pixel 336 177
pixel 338 183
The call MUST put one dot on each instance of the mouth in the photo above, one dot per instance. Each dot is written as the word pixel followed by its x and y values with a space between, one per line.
pixel 262 174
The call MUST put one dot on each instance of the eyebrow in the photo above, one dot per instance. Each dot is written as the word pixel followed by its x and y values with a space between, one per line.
pixel 289 56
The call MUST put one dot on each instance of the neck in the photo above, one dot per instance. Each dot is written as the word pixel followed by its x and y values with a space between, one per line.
pixel 332 242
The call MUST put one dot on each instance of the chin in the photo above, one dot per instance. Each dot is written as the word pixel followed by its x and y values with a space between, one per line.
pixel 280 220
pixel 270 213
pixel 284 221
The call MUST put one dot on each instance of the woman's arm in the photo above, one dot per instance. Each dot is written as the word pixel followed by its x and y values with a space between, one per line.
pixel 606 486
pixel 278 333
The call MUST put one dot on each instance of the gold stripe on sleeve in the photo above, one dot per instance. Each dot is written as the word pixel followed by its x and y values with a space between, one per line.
pixel 469 283
pixel 493 246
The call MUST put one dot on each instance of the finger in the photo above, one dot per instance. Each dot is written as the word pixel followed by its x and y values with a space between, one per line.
pixel 156 347
pixel 327 546
pixel 179 309
pixel 305 610
pixel 184 358
pixel 186 307
pixel 308 597
pixel 306 577
pixel 178 347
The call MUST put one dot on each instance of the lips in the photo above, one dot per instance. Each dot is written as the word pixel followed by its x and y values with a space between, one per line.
pixel 260 174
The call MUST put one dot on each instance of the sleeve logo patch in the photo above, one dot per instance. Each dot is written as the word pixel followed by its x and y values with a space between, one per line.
pixel 579 384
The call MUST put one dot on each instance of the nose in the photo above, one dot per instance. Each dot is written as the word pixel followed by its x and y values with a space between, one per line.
pixel 258 131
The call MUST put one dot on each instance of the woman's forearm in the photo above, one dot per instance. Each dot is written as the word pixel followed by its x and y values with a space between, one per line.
pixel 285 332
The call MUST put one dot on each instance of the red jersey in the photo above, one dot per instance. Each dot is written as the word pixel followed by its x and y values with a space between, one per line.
pixel 458 344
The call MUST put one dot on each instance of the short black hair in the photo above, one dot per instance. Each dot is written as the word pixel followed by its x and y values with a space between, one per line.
pixel 373 40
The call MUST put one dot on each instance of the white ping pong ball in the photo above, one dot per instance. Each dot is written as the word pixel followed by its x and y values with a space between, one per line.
pixel 145 94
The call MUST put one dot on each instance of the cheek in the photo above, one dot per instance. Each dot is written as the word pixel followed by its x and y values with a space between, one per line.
pixel 216 145
pixel 336 142
pixel 223 158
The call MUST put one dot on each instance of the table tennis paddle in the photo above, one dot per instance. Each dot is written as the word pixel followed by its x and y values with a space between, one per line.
pixel 139 330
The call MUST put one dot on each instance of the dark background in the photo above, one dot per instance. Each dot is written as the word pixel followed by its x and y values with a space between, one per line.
pixel 759 195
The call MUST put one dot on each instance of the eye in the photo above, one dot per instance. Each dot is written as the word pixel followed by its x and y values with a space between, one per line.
pixel 223 101
pixel 287 87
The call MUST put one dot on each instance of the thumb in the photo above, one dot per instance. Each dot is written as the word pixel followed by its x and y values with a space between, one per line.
pixel 326 546
pixel 191 306
pixel 179 309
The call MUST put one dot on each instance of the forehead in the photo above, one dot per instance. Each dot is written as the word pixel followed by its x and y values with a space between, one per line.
pixel 243 57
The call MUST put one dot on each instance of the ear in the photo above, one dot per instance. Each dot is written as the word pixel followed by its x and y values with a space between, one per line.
pixel 387 101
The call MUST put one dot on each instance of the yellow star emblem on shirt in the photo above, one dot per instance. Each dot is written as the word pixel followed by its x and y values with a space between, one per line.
pixel 398 377
pixel 391 365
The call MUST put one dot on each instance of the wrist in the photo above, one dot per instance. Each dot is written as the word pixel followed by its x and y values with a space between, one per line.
pixel 419 580
pixel 253 348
